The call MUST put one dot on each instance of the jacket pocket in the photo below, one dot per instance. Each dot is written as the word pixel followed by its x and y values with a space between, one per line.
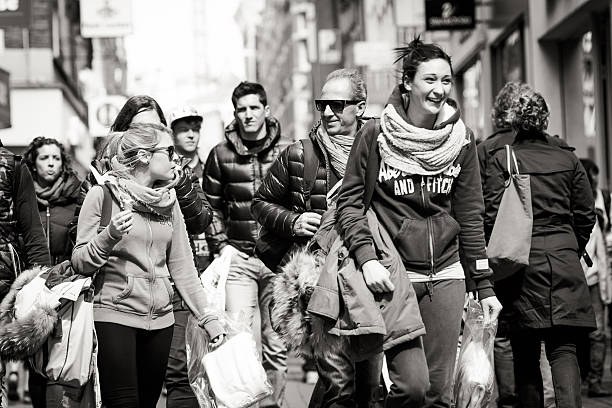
pixel 444 233
pixel 163 293
pixel 411 241
pixel 135 297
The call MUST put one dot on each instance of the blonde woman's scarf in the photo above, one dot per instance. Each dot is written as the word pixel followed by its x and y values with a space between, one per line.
pixel 416 150
pixel 159 200
pixel 338 148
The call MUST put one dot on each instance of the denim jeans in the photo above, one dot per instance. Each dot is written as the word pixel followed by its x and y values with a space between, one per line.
pixel 249 285
pixel 345 383
pixel 597 339
pixel 441 314
pixel 560 345
pixel 180 394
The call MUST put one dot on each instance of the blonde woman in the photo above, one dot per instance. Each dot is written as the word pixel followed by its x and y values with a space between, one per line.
pixel 135 256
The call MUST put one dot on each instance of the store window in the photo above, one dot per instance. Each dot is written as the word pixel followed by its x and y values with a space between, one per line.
pixel 472 109
pixel 509 55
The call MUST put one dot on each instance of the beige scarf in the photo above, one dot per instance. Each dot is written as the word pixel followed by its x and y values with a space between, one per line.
pixel 416 150
pixel 158 201
pixel 338 148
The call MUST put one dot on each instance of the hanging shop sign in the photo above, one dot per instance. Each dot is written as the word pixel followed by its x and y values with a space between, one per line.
pixel 450 15
pixel 105 18
pixel 5 100
pixel 15 13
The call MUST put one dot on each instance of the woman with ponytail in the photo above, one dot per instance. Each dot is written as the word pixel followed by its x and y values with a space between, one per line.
pixel 135 256
pixel 549 301
pixel 427 194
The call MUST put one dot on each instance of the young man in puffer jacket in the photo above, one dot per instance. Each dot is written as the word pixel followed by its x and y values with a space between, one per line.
pixel 234 171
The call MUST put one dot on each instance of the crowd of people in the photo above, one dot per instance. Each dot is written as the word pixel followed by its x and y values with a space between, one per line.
pixel 410 198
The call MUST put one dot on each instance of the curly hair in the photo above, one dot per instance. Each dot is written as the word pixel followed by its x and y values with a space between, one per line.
pixel 503 103
pixel 529 112
pixel 416 52
pixel 31 153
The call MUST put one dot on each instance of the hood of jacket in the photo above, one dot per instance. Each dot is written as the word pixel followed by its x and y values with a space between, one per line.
pixel 400 100
pixel 273 133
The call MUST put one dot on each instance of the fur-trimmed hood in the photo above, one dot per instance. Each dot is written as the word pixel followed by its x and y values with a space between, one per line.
pixel 20 339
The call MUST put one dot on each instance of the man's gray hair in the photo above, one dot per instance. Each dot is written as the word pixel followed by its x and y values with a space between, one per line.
pixel 359 90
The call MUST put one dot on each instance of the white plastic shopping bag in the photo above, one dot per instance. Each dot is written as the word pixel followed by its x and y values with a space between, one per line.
pixel 213 279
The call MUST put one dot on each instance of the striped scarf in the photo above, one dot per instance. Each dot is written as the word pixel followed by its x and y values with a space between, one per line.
pixel 416 150
pixel 338 148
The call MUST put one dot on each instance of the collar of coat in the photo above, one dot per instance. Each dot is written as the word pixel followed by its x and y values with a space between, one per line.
pixel 273 134
pixel 313 131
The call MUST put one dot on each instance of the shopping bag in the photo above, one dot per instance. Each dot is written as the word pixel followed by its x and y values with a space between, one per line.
pixel 213 279
pixel 230 376
pixel 475 372
pixel 510 241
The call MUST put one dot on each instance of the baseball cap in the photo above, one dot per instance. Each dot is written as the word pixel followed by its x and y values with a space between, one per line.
pixel 183 112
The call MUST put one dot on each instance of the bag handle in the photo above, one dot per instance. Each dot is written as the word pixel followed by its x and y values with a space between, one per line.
pixel 311 166
pixel 107 206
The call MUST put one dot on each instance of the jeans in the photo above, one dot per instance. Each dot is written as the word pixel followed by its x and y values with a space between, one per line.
pixel 180 394
pixel 249 284
pixel 345 383
pixel 597 339
pixel 131 363
pixel 560 345
pixel 441 314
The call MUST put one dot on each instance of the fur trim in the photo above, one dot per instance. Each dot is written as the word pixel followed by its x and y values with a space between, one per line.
pixel 19 339
pixel 301 332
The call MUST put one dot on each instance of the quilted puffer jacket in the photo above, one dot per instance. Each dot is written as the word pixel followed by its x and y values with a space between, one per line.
pixel 232 176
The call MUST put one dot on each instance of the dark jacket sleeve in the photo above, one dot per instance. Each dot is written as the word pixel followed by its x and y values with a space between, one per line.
pixel 482 161
pixel 193 203
pixel 272 202
pixel 468 209
pixel 582 207
pixel 36 249
pixel 351 215
pixel 216 234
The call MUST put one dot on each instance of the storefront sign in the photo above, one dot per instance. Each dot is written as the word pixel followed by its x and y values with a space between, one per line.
pixel 106 18
pixel 102 113
pixel 330 51
pixel 450 15
pixel 15 13
pixel 5 100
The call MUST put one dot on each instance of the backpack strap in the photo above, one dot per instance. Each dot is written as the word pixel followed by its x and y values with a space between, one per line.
pixel 311 166
pixel 107 206
pixel 16 173
pixel 371 171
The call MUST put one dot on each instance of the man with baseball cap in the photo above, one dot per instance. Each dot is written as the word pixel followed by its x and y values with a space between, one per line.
pixel 186 123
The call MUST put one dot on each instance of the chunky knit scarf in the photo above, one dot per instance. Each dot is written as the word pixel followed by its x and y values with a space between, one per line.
pixel 338 148
pixel 416 150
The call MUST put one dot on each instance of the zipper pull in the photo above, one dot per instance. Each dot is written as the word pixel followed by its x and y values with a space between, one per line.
pixel 429 285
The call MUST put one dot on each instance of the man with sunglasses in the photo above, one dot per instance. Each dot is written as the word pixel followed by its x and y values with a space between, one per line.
pixel 234 171
pixel 280 206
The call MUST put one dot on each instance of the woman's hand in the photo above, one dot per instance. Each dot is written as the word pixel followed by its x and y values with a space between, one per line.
pixel 306 224
pixel 491 308
pixel 217 341
pixel 121 224
pixel 377 277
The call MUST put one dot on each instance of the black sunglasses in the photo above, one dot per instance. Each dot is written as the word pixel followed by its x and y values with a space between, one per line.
pixel 336 105
pixel 168 149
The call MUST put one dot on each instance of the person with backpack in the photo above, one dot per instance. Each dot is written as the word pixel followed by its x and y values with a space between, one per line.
pixel 290 205
pixel 22 238
pixel 234 170
pixel 420 159
pixel 548 300
pixel 134 259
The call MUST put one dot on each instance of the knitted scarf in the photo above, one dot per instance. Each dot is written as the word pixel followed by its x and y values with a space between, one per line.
pixel 416 150
pixel 338 148
pixel 158 201
pixel 59 191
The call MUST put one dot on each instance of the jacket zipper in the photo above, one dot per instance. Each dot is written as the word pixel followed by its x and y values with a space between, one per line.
pixel 430 244
pixel 151 281
pixel 48 228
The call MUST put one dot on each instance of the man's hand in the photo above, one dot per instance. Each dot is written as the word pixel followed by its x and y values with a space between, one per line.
pixel 233 251
pixel 491 308
pixel 306 224
pixel 377 277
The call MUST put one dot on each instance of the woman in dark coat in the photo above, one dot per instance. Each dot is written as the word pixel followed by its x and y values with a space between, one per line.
pixel 549 300
pixel 57 192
